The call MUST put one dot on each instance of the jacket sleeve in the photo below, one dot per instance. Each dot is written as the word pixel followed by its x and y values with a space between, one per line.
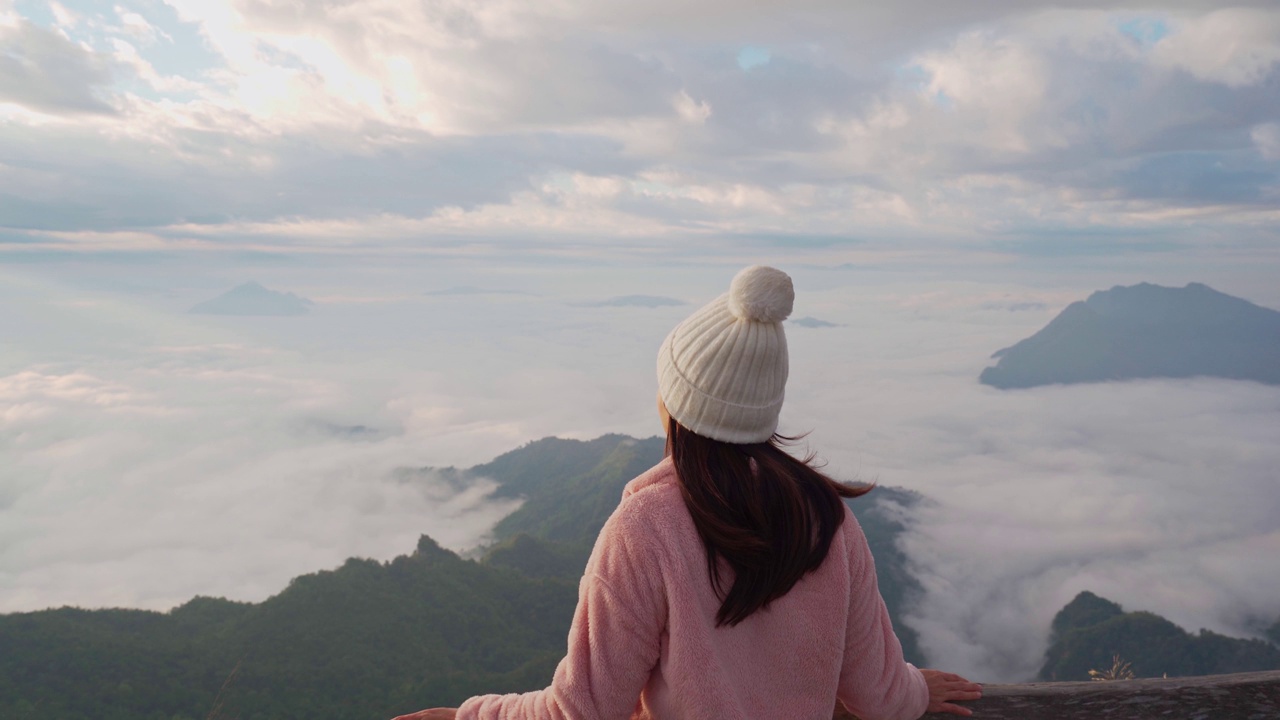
pixel 614 641
pixel 875 682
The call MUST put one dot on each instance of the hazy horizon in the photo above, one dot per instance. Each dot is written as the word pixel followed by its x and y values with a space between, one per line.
pixel 499 210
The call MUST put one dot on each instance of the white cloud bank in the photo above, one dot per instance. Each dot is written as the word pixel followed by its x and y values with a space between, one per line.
pixel 153 455
pixel 186 476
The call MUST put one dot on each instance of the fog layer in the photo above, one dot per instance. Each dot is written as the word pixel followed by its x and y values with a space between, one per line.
pixel 151 455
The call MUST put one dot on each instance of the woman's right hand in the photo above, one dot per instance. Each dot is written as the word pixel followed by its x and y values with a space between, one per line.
pixel 945 687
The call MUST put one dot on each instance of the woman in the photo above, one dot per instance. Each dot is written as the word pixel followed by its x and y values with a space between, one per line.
pixel 731 581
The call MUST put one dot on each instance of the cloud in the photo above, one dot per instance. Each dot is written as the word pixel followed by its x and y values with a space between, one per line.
pixel 188 442
pixel 188 464
pixel 180 446
pixel 1235 46
pixel 138 26
pixel 46 72
pixel 645 301
pixel 1266 137
pixel 1015 306
pixel 1000 79
pixel 472 290
pixel 968 126
pixel 1075 492
pixel 691 110
pixel 188 179
pixel 462 69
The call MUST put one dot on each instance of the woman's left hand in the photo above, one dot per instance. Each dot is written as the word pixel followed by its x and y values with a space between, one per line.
pixel 432 714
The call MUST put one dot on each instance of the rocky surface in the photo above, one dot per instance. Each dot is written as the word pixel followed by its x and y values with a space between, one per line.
pixel 1243 696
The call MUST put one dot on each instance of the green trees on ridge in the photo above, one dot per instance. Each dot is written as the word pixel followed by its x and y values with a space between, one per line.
pixel 1090 630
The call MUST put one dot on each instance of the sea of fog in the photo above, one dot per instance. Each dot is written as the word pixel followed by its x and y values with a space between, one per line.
pixel 150 455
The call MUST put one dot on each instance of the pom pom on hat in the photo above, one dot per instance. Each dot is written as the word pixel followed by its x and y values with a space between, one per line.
pixel 761 294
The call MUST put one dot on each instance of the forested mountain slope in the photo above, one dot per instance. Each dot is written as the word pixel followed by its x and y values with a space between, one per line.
pixel 1090 631
pixel 1146 331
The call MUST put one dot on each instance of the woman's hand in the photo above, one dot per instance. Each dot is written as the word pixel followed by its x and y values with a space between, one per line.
pixel 432 714
pixel 944 687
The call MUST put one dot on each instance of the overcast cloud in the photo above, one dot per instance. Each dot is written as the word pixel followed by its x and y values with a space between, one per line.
pixel 475 193
pixel 243 123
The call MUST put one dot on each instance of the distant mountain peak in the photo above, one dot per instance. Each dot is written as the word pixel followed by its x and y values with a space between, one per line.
pixel 429 549
pixel 252 298
pixel 1146 331
pixel 1085 610
pixel 812 322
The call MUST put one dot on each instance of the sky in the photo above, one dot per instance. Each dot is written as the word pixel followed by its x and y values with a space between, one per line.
pixel 465 189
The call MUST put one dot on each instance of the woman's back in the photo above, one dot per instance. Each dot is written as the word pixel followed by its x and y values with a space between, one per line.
pixel 782 661
pixel 646 628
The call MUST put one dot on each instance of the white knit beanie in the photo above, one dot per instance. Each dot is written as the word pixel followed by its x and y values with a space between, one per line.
pixel 722 372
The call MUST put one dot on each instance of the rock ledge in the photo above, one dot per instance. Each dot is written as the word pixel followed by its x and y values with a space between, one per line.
pixel 1242 696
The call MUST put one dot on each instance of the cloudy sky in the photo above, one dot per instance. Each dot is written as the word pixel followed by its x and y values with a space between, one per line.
pixel 464 189
pixel 1003 126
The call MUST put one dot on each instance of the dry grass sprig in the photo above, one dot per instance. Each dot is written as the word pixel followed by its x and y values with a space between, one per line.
pixel 216 710
pixel 1120 670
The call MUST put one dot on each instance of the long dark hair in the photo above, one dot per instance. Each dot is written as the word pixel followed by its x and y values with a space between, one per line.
pixel 770 515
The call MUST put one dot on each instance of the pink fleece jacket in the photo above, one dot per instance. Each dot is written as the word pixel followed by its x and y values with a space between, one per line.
pixel 644 642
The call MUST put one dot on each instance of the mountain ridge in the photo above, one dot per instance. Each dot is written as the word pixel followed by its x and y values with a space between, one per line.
pixel 1145 331
pixel 1090 631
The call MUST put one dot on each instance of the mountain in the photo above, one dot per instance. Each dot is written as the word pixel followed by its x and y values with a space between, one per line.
pixel 569 488
pixel 1090 631
pixel 368 640
pixel 812 322
pixel 373 639
pixel 253 299
pixel 1146 331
